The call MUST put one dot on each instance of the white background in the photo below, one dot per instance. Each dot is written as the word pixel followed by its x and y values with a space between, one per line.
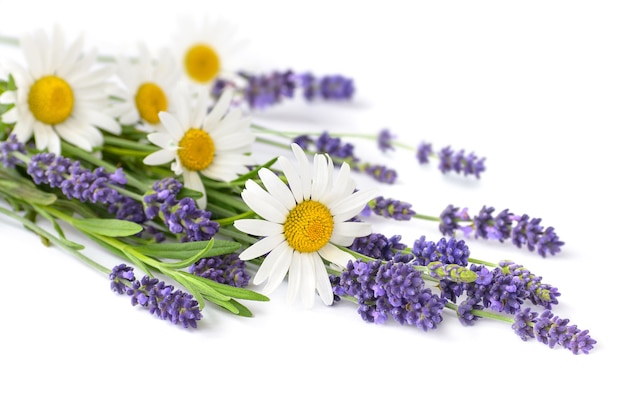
pixel 536 87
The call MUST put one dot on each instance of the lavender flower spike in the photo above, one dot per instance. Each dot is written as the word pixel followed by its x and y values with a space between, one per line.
pixel 522 230
pixel 451 161
pixel 163 301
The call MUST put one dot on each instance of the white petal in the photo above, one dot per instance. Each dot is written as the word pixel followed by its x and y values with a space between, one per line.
pixel 218 111
pixel 343 186
pixel 159 157
pixel 303 170
pixel 353 229
pixel 10 116
pixel 308 281
pixel 172 125
pixel 293 178
pixel 8 97
pixel 262 247
pixel 258 227
pixel 160 139
pixel 277 188
pixel 351 205
pixel 281 267
pixel 335 255
pixel 275 264
pixel 295 277
pixel 341 240
pixel 193 181
pixel 263 203
pixel 320 184
pixel 322 281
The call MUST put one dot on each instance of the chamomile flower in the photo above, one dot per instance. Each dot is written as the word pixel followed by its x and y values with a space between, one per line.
pixel 206 51
pixel 302 224
pixel 147 88
pixel 197 141
pixel 59 95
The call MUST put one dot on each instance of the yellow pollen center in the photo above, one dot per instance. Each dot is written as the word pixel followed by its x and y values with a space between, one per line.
pixel 196 150
pixel 51 100
pixel 309 226
pixel 202 63
pixel 150 100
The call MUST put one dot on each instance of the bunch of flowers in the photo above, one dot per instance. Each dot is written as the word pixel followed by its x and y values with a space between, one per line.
pixel 151 157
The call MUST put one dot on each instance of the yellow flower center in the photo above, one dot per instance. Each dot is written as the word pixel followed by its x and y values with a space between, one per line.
pixel 51 100
pixel 196 150
pixel 309 226
pixel 202 63
pixel 150 100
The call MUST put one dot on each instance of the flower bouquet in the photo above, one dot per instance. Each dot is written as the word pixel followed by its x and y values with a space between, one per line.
pixel 152 157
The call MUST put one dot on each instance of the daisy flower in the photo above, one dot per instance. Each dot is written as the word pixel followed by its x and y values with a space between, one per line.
pixel 303 224
pixel 59 95
pixel 148 87
pixel 206 51
pixel 197 141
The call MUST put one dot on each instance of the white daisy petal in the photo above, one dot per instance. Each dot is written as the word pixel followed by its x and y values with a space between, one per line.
pixel 293 179
pixel 295 276
pixel 308 279
pixel 320 183
pixel 172 125
pixel 192 181
pixel 350 206
pixel 335 255
pixel 341 240
pixel 353 229
pixel 343 186
pixel 262 203
pixel 305 172
pixel 258 227
pixel 162 140
pixel 277 188
pixel 262 247
pixel 280 268
pixel 322 281
pixel 159 157
pixel 275 264
pixel 218 111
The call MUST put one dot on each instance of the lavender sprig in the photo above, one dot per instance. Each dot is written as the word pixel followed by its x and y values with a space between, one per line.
pixel 264 90
pixel 452 161
pixel 161 300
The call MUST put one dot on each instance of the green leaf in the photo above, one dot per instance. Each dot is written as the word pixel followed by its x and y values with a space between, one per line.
pixel 187 249
pixel 190 260
pixel 226 304
pixel 238 293
pixel 243 311
pixel 191 288
pixel 27 193
pixel 108 227
pixel 186 192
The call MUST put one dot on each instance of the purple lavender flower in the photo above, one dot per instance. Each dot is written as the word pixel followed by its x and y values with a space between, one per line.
pixel 384 140
pixel 538 293
pixel 393 289
pixel 424 151
pixel 180 216
pixel 390 208
pixel 163 301
pixel 7 148
pixel 522 230
pixel 332 87
pixel 76 182
pixel 226 269
pixel 378 246
pixel 380 173
pixel 464 311
pixel 446 251
pixel 459 163
pixel 551 330
pixel 121 276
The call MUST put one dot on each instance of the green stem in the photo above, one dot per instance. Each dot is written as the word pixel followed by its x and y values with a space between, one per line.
pixel 54 240
pixel 483 313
